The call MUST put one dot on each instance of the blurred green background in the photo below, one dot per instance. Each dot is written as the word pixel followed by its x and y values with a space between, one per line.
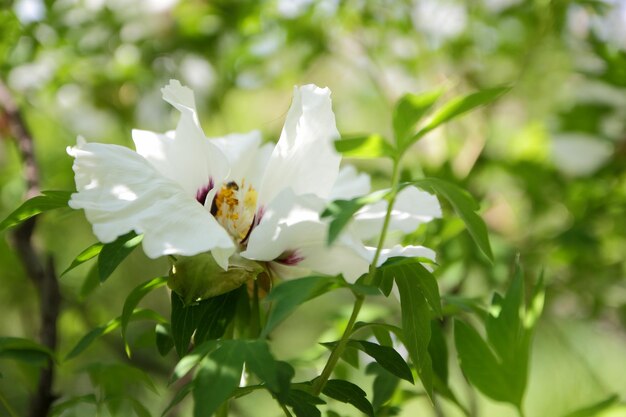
pixel 546 161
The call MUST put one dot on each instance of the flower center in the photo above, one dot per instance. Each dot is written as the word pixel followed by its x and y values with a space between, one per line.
pixel 234 207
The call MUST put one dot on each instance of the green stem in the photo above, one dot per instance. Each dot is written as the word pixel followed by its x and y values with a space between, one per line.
pixel 395 176
pixel 319 383
pixel 337 351
pixel 7 406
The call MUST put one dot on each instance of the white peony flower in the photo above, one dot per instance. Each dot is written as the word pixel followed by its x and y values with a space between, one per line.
pixel 188 194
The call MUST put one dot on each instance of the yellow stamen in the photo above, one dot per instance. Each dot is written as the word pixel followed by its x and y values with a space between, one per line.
pixel 235 208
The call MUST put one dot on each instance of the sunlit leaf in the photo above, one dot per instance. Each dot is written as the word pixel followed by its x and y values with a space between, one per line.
pixel 9 33
pixel 193 358
pixel 365 146
pixel 464 206
pixel 49 200
pixel 460 105
pixel 112 254
pixel 409 110
pixel 86 255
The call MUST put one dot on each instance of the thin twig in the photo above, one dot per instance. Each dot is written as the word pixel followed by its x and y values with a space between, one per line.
pixel 40 273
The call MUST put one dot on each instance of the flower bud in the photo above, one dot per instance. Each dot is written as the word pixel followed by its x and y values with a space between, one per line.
pixel 199 277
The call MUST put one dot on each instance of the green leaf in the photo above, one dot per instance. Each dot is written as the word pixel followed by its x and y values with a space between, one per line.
pixel 303 403
pixel 460 105
pixel 218 377
pixel 25 350
pixel 288 295
pixel 438 350
pixel 409 110
pixel 89 253
pixel 261 362
pixel 184 321
pixel 465 207
pixel 92 335
pixel 342 211
pixel 416 326
pixel 208 319
pixel 350 354
pixel 91 281
pixel 112 254
pixel 133 300
pixel 364 146
pixel 139 409
pixel 350 393
pixel 60 407
pixel 387 357
pixel 285 374
pixel 178 397
pixel 412 268
pixel 193 358
pixel 501 372
pixel 594 409
pixel 480 365
pixel 163 338
pixel 9 33
pixel 383 336
pixel 384 386
pixel 49 200
pixel 217 313
pixel 504 329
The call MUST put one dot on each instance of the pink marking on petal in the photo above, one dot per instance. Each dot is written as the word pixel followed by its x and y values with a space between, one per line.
pixel 290 258
pixel 204 191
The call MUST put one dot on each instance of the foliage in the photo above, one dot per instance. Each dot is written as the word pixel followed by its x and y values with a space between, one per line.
pixel 520 133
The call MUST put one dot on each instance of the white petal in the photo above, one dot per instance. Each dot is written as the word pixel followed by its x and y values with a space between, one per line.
pixel 246 157
pixel 291 226
pixel 185 155
pixel 120 191
pixel 304 159
pixel 350 184
pixel 405 251
pixel 412 208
